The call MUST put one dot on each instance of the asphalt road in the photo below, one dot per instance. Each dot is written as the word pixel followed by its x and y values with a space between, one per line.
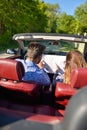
pixel 5 55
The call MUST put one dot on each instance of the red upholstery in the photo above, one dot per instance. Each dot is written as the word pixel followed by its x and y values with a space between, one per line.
pixel 35 117
pixel 63 91
pixel 11 69
pixel 11 73
pixel 79 78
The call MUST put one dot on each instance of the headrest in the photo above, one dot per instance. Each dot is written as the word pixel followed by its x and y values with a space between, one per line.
pixel 79 77
pixel 11 69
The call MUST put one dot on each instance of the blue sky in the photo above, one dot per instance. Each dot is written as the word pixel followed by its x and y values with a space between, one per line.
pixel 67 6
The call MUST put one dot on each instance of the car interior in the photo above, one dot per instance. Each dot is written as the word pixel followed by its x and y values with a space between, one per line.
pixel 41 106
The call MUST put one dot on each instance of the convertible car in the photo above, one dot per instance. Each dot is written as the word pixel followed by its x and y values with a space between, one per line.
pixel 29 105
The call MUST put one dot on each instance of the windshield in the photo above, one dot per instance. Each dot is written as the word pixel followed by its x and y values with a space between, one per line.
pixel 54 47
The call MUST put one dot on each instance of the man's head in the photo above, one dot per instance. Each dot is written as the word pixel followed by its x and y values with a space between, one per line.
pixel 35 51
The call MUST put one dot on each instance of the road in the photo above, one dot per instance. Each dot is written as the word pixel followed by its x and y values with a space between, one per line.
pixel 5 55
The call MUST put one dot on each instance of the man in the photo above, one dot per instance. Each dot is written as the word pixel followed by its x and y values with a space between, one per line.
pixel 33 66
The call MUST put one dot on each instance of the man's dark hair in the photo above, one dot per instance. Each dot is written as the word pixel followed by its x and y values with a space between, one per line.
pixel 35 49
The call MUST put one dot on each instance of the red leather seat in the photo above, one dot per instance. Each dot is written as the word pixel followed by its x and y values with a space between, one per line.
pixel 11 73
pixel 64 91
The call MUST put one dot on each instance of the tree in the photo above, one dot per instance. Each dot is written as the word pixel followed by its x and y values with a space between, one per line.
pixel 81 17
pixel 52 12
pixel 19 16
pixel 66 24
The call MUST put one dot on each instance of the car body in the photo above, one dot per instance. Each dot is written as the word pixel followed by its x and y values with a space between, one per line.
pixel 27 105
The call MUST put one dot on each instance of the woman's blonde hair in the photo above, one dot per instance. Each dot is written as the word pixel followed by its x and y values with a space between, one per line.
pixel 74 59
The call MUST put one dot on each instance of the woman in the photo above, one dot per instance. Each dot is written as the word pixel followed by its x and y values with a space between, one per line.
pixel 74 59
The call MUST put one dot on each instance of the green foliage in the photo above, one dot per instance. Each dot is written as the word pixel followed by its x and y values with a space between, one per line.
pixel 81 16
pixel 66 24
pixel 19 16
pixel 23 16
pixel 52 12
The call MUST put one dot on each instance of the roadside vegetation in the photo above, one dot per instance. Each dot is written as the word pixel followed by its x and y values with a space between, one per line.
pixel 24 16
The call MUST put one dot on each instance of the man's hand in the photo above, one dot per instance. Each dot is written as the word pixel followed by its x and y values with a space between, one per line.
pixel 41 64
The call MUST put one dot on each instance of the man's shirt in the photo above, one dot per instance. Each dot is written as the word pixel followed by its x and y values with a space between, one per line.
pixel 34 73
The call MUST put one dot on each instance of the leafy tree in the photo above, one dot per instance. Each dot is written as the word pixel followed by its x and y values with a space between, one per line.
pixel 66 24
pixel 81 17
pixel 18 16
pixel 52 12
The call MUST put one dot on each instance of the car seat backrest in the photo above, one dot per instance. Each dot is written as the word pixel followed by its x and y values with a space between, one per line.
pixel 11 69
pixel 79 78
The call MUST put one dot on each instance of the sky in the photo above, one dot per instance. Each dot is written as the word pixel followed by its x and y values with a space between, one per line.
pixel 67 6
